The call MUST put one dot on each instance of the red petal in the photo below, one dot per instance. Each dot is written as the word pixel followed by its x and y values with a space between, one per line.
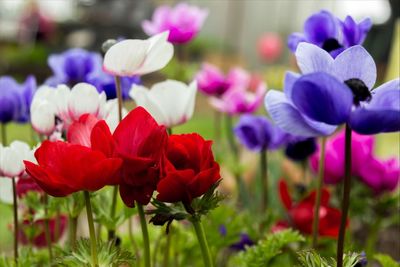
pixel 284 194
pixel 79 131
pixel 101 139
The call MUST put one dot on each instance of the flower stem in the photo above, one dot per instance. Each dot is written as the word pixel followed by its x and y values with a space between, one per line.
pixel 243 195
pixel 15 221
pixel 264 180
pixel 346 197
pixel 169 131
pixel 145 234
pixel 320 182
pixel 217 126
pixel 201 237
pixel 93 241
pixel 119 96
pixel 111 232
pixel 47 226
pixel 72 227
pixel 3 134
pixel 167 248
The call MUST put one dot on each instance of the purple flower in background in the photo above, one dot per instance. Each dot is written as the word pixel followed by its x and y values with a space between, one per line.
pixel 332 92
pixel 106 83
pixel 182 21
pixel 243 242
pixel 379 175
pixel 73 66
pixel 211 80
pixel 331 34
pixel 15 99
pixel 78 65
pixel 301 149
pixel 257 133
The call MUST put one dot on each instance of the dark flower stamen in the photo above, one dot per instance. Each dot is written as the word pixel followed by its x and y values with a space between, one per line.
pixel 331 44
pixel 359 89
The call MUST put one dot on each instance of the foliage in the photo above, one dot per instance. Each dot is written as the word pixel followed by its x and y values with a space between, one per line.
pixel 268 248
pixel 386 260
pixel 310 258
pixel 108 255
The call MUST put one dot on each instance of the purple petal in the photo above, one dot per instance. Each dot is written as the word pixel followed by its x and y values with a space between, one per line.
pixel 294 39
pixel 311 58
pixel 320 27
pixel 290 79
pixel 366 121
pixel 355 63
pixel 289 118
pixel 353 33
pixel 323 98
pixel 386 96
pixel 254 132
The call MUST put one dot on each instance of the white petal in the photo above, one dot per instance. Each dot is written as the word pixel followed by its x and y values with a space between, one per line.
pixel 11 159
pixel 6 193
pixel 111 114
pixel 43 117
pixel 84 98
pixel 143 98
pixel 125 57
pixel 159 54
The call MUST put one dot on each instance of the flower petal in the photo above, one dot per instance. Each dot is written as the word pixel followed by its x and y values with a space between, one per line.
pixel 355 63
pixel 290 79
pixel 323 98
pixel 320 27
pixel 159 53
pixel 289 119
pixel 311 58
pixel 369 121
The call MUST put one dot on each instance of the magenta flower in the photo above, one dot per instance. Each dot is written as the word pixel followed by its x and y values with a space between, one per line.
pixel 244 96
pixel 379 175
pixel 211 80
pixel 182 21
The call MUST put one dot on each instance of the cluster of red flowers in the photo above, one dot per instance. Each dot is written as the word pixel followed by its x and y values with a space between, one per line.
pixel 139 156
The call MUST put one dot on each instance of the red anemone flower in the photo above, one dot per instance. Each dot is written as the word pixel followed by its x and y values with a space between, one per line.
pixel 141 143
pixel 34 232
pixel 301 214
pixel 190 169
pixel 65 168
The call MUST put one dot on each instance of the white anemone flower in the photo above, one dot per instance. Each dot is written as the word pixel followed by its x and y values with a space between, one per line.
pixel 138 57
pixel 12 158
pixel 170 102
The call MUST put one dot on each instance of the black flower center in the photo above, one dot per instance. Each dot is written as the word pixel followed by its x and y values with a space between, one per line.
pixel 330 45
pixel 359 89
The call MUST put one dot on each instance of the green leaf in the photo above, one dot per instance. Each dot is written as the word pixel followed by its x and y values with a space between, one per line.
pixel 386 260
pixel 261 254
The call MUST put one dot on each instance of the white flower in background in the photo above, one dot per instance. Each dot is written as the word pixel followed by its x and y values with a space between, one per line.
pixel 6 190
pixel 169 102
pixel 68 105
pixel 12 158
pixel 138 57
pixel 110 114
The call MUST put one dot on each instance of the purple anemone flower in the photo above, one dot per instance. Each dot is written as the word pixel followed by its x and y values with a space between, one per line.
pixel 257 133
pixel 15 99
pixel 332 92
pixel 211 81
pixel 78 65
pixel 243 243
pixel 73 66
pixel 331 34
pixel 182 21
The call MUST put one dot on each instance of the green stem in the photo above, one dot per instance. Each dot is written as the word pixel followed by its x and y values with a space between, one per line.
pixel 145 234
pixel 169 131
pixel 72 227
pixel 320 182
pixel 372 237
pixel 3 134
pixel 167 248
pixel 346 197
pixel 134 245
pixel 15 205
pixel 119 96
pixel 47 227
pixel 93 241
pixel 217 126
pixel 201 237
pixel 243 194
pixel 111 232
pixel 264 180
